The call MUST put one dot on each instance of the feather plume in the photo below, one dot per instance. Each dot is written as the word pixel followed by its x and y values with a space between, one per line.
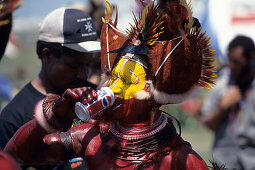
pixel 190 18
pixel 108 11
pixel 6 7
pixel 208 73
pixel 146 30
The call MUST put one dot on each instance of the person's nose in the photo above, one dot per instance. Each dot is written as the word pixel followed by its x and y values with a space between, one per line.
pixel 116 87
pixel 116 90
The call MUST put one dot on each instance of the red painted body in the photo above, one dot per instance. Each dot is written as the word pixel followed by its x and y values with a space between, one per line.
pixel 31 144
pixel 87 143
pixel 181 157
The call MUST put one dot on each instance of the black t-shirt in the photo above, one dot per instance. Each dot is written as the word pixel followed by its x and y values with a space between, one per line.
pixel 19 111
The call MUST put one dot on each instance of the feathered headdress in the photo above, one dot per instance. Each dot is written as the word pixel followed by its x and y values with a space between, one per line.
pixel 6 7
pixel 168 38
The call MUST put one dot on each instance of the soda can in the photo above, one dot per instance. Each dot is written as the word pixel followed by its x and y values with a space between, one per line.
pixel 105 99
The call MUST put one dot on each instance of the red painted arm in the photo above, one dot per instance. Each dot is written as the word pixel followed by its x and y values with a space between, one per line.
pixel 31 145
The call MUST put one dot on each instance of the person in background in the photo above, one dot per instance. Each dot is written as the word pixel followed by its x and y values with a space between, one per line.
pixel 66 43
pixel 224 106
pixel 244 132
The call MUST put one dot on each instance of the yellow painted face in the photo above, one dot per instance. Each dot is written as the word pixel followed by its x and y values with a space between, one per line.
pixel 128 77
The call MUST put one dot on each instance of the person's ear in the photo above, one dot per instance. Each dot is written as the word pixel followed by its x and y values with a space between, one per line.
pixel 46 54
pixel 147 87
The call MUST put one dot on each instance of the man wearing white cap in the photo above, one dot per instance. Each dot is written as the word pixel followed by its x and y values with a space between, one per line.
pixel 66 43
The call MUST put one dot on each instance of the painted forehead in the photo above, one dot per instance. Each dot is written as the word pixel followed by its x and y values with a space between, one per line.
pixel 130 68
pixel 135 59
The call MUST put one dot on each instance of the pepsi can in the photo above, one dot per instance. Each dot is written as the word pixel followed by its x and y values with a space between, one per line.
pixel 105 99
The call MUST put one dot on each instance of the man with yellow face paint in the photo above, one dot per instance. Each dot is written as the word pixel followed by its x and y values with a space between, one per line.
pixel 154 65
pixel 128 76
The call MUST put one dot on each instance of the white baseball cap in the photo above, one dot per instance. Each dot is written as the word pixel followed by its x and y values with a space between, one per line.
pixel 72 28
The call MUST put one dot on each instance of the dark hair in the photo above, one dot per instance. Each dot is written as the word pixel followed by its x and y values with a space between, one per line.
pixel 56 48
pixel 245 42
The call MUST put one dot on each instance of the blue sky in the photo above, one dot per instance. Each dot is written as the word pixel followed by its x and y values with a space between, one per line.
pixel 31 14
pixel 39 8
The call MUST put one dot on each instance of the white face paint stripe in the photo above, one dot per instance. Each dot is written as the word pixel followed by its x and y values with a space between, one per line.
pixel 137 79
pixel 124 63
pixel 114 83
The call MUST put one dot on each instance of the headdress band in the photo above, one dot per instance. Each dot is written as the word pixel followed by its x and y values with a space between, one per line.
pixel 136 59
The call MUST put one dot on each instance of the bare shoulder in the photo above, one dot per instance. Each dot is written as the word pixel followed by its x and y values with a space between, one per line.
pixel 182 156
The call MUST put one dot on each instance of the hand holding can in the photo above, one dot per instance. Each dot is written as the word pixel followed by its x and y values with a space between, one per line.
pixel 105 99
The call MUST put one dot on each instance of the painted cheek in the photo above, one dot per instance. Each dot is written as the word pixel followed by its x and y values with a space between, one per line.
pixel 128 93
pixel 131 90
pixel 117 90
